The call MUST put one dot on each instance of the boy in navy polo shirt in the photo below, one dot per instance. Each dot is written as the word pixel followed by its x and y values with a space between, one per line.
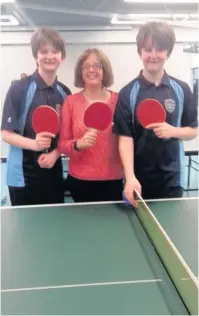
pixel 153 157
pixel 34 177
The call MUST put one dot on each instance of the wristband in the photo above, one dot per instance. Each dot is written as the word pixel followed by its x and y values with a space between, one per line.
pixel 75 146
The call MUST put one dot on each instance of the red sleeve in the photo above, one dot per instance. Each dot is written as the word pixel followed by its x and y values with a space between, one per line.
pixel 66 139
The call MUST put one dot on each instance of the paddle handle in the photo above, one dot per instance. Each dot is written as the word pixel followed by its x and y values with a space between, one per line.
pixel 90 129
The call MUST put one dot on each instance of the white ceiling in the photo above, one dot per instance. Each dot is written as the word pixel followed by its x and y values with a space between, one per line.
pixel 92 14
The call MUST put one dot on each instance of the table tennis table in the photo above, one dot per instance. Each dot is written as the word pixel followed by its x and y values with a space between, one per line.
pixel 100 259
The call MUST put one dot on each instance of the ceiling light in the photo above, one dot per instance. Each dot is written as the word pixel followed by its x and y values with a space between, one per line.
pixel 138 21
pixel 149 15
pixel 7 1
pixel 158 15
pixel 115 20
pixel 7 20
pixel 161 1
pixel 163 15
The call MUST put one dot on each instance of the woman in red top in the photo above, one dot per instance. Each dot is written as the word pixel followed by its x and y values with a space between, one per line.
pixel 94 167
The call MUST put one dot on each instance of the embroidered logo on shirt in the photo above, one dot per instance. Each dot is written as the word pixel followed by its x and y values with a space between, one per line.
pixel 9 120
pixel 170 105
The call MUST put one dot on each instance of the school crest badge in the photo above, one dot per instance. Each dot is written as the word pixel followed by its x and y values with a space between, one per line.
pixel 170 105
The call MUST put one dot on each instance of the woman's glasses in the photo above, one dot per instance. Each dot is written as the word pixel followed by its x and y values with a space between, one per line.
pixel 95 66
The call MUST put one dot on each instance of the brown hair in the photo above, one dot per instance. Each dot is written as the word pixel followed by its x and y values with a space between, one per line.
pixel 107 80
pixel 23 74
pixel 45 36
pixel 161 34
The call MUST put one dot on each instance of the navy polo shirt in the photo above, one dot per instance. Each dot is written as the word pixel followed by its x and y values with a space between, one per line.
pixel 23 97
pixel 156 158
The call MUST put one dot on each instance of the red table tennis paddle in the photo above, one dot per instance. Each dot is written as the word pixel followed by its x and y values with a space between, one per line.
pixel 150 111
pixel 98 116
pixel 45 119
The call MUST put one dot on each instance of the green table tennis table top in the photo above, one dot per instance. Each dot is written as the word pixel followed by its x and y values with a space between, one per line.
pixel 88 259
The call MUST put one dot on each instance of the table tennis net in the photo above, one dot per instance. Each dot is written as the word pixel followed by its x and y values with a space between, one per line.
pixel 184 280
